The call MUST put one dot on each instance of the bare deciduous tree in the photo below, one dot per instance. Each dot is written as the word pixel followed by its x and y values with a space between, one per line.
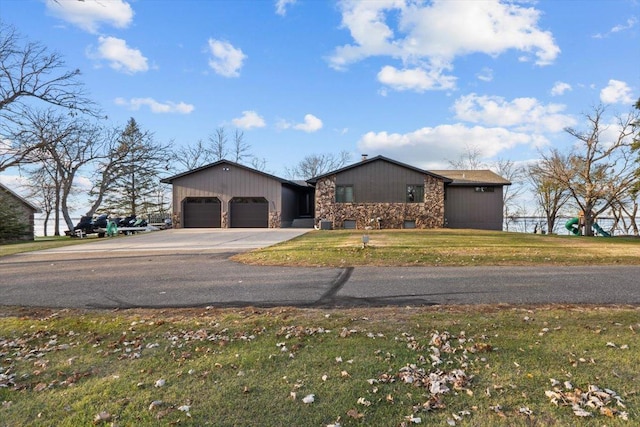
pixel 318 164
pixel 31 74
pixel 510 193
pixel 635 146
pixel 469 160
pixel 189 157
pixel 597 171
pixel 219 149
pixel 72 145
pixel 550 195
pixel 241 148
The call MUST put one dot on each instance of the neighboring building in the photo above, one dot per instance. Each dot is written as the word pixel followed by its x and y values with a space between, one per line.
pixel 377 192
pixel 26 211
pixel 474 199
pixel 380 193
pixel 225 194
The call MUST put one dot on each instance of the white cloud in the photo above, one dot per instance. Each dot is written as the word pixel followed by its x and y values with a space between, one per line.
pixel 249 119
pixel 559 88
pixel 616 92
pixel 629 24
pixel 226 60
pixel 486 74
pixel 431 35
pixel 120 56
pixel 311 124
pixel 436 145
pixel 416 79
pixel 89 14
pixel 522 114
pixel 155 106
pixel 281 6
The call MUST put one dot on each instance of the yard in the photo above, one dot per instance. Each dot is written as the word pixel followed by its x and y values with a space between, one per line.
pixel 388 366
pixel 445 247
pixel 392 366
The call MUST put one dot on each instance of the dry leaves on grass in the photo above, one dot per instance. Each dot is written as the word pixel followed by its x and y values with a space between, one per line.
pixel 442 351
pixel 586 403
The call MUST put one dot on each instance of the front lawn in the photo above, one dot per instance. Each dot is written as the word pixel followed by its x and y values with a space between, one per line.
pixel 41 243
pixel 445 247
pixel 458 366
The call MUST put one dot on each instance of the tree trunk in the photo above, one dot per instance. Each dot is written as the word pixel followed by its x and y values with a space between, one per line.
pixel 46 221
pixel 588 223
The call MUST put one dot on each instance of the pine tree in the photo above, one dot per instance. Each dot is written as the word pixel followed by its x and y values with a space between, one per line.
pixel 134 189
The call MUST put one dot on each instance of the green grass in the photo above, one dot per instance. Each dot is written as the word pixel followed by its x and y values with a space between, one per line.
pixel 65 368
pixel 445 247
pixel 40 243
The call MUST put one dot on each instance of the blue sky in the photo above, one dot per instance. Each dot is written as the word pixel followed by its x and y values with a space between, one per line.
pixel 417 81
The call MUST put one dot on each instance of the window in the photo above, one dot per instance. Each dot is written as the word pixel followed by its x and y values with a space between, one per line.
pixel 484 189
pixel 344 194
pixel 415 193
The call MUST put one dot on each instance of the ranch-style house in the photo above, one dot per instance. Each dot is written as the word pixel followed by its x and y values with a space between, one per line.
pixel 375 192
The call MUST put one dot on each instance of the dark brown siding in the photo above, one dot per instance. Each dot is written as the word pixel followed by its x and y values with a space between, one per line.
pixel 225 182
pixel 289 211
pixel 379 182
pixel 466 208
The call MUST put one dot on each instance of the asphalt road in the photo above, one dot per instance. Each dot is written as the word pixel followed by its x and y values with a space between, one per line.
pixel 173 269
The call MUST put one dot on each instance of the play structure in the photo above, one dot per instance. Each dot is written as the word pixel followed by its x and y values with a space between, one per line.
pixel 574 225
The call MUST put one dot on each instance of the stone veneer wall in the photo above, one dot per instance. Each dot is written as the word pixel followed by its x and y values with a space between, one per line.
pixel 429 214
pixel 274 220
pixel 224 219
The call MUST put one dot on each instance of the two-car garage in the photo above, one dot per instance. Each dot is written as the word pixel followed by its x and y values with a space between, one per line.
pixel 225 194
pixel 244 212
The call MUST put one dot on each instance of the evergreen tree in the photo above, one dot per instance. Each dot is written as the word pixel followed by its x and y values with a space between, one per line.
pixel 12 226
pixel 134 190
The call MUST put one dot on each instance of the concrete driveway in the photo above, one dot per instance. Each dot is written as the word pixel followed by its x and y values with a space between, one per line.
pixel 187 240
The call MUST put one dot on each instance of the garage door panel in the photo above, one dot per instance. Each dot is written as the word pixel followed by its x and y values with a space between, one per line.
pixel 249 212
pixel 201 212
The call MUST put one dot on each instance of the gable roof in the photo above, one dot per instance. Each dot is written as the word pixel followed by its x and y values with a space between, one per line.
pixel 19 198
pixel 473 177
pixel 376 159
pixel 170 179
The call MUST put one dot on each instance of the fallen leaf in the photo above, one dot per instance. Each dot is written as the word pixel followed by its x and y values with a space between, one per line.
pixel 102 417
pixel 155 404
pixel 353 413
pixel 526 411
pixel 578 411
pixel 363 401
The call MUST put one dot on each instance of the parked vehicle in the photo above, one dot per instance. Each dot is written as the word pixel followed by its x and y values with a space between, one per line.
pixel 103 225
